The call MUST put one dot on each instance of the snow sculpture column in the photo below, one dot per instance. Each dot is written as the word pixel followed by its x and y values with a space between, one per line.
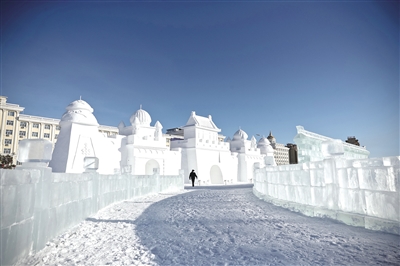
pixel 157 132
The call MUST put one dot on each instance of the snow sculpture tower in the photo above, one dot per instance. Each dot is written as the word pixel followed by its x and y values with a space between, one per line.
pixel 144 150
pixel 80 138
pixel 266 148
pixel 204 152
pixel 248 155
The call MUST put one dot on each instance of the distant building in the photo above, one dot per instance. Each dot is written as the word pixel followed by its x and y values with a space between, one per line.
pixel 293 159
pixel 353 140
pixel 281 153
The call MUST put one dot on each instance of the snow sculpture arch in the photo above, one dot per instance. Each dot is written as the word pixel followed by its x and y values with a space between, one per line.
pixel 152 167
pixel 216 175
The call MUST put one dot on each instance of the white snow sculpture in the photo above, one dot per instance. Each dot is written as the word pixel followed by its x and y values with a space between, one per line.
pixel 248 155
pixel 204 152
pixel 309 145
pixel 144 150
pixel 332 148
pixel 265 148
pixel 34 152
pixel 79 138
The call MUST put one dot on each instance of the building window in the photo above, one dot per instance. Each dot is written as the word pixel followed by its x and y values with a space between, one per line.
pixel 8 132
pixel 46 126
pixel 22 133
pixel 35 125
pixel 58 127
pixel 11 113
pixel 7 141
pixel 7 151
pixel 56 136
pixel 22 124
pixel 47 135
pixel 35 134
pixel 10 122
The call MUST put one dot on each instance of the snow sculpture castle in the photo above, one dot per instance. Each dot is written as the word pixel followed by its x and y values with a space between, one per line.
pixel 249 154
pixel 141 149
pixel 144 150
pixel 205 153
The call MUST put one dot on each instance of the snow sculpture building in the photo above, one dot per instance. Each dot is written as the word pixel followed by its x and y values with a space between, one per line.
pixel 204 152
pixel 80 143
pixel 248 154
pixel 266 148
pixel 144 150
pixel 141 149
pixel 309 145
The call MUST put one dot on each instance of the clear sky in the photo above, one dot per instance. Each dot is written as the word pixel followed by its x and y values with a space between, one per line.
pixel 330 66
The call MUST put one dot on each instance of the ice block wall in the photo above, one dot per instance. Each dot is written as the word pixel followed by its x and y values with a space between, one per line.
pixel 37 205
pixel 309 145
pixel 357 192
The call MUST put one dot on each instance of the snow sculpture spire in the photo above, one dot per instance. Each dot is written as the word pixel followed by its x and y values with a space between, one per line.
pixel 253 142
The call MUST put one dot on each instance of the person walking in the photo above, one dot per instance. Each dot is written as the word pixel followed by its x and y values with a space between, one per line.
pixel 192 176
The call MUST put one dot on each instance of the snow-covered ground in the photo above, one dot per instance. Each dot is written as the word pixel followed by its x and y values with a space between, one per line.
pixel 221 225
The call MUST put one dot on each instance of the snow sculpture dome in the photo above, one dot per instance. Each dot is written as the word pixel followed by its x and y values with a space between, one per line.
pixel 239 135
pixel 79 112
pixel 143 117
pixel 263 142
pixel 265 146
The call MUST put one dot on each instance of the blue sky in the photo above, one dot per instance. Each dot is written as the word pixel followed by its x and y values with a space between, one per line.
pixel 332 67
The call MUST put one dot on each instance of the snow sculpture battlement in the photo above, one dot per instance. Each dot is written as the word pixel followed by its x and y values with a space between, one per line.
pixel 309 145
pixel 363 193
pixel 201 143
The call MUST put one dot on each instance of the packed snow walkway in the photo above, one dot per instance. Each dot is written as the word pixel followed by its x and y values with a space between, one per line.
pixel 223 225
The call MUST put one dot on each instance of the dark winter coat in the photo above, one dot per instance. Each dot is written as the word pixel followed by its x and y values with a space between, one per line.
pixel 192 175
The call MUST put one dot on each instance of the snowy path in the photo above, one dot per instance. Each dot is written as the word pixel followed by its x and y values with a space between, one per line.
pixel 206 225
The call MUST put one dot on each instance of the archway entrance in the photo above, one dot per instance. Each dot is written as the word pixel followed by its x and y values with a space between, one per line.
pixel 152 167
pixel 216 175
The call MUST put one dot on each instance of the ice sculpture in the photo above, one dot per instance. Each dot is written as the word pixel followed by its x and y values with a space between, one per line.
pixel 34 152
